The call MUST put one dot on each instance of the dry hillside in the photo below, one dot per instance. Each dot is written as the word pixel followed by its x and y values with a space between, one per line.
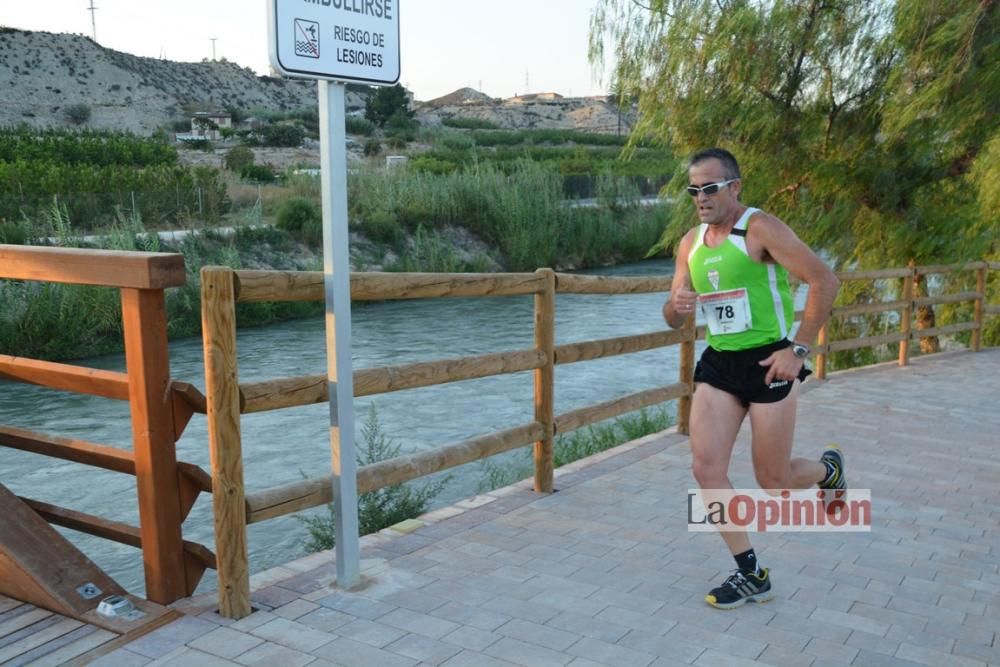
pixel 543 111
pixel 41 74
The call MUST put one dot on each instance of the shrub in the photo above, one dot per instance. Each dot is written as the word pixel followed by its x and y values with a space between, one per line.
pixel 470 123
pixel 382 226
pixel 302 218
pixel 237 158
pixel 282 135
pixel 373 147
pixel 387 102
pixel 78 114
pixel 376 509
pixel 257 173
pixel 361 126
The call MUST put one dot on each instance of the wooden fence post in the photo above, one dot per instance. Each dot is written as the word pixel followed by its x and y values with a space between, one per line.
pixel 218 321
pixel 687 375
pixel 545 340
pixel 821 342
pixel 977 333
pixel 906 316
pixel 144 320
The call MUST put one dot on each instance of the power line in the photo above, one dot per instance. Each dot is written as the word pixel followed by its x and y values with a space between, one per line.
pixel 93 19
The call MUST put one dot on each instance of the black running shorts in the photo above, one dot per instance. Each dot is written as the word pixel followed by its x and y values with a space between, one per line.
pixel 740 373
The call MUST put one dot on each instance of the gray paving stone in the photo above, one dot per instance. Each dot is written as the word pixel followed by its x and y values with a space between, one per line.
pixel 929 656
pixel 325 620
pixel 782 657
pixel 350 653
pixel 588 626
pixel 292 635
pixel 471 638
pixel 425 649
pixel 164 640
pixel 534 633
pixel 523 653
pixel 122 658
pixel 225 642
pixel 470 659
pixel 370 632
pixel 421 624
pixel 529 611
pixel 268 654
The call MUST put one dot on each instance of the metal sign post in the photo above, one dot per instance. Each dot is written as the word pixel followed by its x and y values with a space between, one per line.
pixel 352 40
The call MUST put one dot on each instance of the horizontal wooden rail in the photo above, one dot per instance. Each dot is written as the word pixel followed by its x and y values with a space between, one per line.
pixel 115 531
pixel 310 389
pixel 91 454
pixel 609 347
pixel 569 283
pixel 374 286
pixel 949 268
pixel 65 377
pixel 313 492
pixel 943 331
pixel 570 421
pixel 993 266
pixel 78 451
pixel 857 343
pixel 869 308
pixel 881 274
pixel 111 268
pixel 992 309
pixel 422 374
pixel 946 298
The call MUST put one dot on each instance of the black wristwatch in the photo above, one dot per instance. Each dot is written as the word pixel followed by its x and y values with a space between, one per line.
pixel 799 350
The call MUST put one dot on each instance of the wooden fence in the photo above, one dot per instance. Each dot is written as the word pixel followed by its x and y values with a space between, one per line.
pixel 223 288
pixel 160 410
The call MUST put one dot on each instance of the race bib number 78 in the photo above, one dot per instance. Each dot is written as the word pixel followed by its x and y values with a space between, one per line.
pixel 726 312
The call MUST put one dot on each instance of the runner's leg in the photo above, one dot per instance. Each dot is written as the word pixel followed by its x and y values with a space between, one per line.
pixel 716 417
pixel 773 426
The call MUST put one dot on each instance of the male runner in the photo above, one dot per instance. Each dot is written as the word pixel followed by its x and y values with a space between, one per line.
pixel 735 265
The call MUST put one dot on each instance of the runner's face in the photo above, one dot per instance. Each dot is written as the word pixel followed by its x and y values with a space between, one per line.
pixel 718 208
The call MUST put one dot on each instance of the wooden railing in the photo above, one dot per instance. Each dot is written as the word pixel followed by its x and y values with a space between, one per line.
pixel 160 410
pixel 223 288
pixel 906 307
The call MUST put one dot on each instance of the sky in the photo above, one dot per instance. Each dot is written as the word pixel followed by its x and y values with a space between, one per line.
pixel 503 47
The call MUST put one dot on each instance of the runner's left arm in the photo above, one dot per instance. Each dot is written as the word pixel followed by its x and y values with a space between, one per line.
pixel 784 247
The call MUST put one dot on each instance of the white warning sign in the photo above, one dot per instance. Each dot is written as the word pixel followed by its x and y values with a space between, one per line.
pixel 346 40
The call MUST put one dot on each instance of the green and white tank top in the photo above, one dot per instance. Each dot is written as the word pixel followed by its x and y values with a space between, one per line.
pixel 745 303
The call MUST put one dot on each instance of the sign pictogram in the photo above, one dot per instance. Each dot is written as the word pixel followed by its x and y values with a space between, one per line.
pixel 306 38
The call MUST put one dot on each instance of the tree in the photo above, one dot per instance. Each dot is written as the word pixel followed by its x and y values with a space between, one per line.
pixel 386 102
pixel 863 123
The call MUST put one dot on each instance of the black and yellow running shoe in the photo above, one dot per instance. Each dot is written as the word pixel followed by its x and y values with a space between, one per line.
pixel 833 458
pixel 741 587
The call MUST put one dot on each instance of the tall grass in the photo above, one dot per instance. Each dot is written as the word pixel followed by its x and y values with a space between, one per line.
pixel 577 445
pixel 521 211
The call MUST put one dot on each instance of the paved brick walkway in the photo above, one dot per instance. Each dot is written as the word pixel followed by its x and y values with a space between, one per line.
pixel 604 572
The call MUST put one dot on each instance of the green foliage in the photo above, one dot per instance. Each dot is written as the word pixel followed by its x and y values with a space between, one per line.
pixel 376 509
pixel 257 173
pixel 161 193
pixel 470 123
pixel 302 218
pixel 360 126
pixel 372 147
pixel 577 445
pixel 520 211
pixel 237 158
pixel 387 102
pixel 78 114
pixel 859 123
pixel 282 134
pixel 86 147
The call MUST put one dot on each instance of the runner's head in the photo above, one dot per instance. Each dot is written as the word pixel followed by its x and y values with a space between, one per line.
pixel 714 183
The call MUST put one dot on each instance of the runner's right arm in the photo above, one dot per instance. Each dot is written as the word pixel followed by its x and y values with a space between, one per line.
pixel 683 299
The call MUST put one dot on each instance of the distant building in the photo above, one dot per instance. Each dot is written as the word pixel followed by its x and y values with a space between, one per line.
pixel 205 125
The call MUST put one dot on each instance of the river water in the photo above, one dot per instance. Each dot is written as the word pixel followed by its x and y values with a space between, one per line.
pixel 283 446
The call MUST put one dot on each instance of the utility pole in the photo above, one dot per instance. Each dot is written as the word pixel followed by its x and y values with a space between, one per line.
pixel 93 20
pixel 213 47
pixel 527 88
